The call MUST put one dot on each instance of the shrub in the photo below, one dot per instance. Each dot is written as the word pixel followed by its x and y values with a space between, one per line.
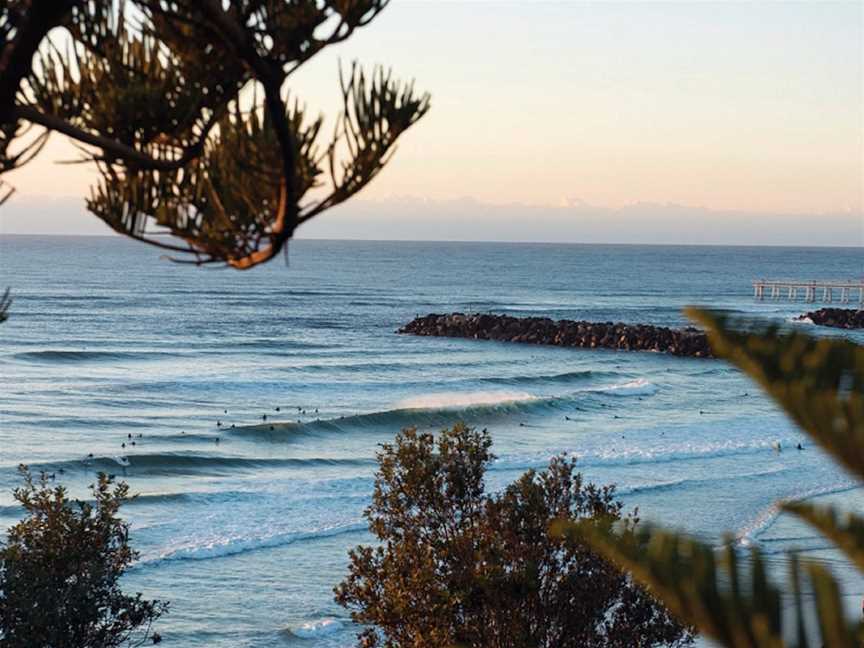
pixel 59 572
pixel 457 566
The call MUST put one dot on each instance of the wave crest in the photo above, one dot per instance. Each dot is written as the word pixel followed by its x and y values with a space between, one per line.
pixel 460 400
pixel 220 547
pixel 59 356
pixel 447 408
pixel 171 463
pixel 635 456
pixel 315 629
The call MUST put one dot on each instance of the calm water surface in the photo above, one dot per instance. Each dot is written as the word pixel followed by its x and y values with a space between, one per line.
pixel 245 530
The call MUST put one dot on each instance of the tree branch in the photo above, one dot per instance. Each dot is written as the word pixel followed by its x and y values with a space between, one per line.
pixel 4 196
pixel 116 149
pixel 154 174
pixel 16 59
pixel 271 78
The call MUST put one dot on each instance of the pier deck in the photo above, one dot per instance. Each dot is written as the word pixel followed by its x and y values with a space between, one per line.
pixel 846 291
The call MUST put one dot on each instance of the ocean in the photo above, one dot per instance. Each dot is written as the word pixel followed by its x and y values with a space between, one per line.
pixel 246 530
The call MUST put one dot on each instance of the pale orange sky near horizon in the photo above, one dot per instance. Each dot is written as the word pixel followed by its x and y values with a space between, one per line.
pixel 754 107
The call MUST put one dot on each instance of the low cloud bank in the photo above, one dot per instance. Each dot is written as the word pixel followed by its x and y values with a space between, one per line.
pixel 470 220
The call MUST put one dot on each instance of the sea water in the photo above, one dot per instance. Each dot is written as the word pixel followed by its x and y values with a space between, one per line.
pixel 245 530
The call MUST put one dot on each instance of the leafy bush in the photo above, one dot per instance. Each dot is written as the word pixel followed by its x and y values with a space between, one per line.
pixel 59 572
pixel 460 567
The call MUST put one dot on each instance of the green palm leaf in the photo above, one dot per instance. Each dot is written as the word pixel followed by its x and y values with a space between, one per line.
pixel 820 384
pixel 829 605
pixel 727 599
pixel 846 530
pixel 698 584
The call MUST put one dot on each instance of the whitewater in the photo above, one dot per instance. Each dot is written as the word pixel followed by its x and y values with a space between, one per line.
pixel 252 405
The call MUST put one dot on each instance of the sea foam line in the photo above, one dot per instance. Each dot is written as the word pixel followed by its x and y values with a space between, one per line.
pixel 748 534
pixel 315 629
pixel 658 454
pixel 688 482
pixel 229 546
pixel 448 400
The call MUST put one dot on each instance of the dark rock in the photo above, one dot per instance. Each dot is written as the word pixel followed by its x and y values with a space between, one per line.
pixel 566 333
pixel 845 318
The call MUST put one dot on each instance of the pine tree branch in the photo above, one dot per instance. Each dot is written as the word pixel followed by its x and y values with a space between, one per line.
pixel 145 103
pixel 6 191
pixel 5 303
pixel 16 57
pixel 114 149
pixel 271 78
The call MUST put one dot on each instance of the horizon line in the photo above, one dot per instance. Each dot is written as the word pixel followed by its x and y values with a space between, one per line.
pixel 120 237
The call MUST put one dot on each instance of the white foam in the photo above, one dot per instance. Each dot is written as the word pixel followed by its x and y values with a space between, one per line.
pixel 219 546
pixel 638 387
pixel 446 400
pixel 315 629
pixel 642 487
pixel 748 534
pixel 629 456
pixel 678 452
pixel 123 461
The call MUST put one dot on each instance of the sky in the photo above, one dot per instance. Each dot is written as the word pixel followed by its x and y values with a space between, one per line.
pixel 682 122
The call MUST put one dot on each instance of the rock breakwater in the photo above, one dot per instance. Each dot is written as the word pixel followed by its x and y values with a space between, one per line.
pixel 846 318
pixel 566 333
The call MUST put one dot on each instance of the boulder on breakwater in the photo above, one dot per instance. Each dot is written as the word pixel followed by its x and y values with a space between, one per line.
pixel 846 318
pixel 565 333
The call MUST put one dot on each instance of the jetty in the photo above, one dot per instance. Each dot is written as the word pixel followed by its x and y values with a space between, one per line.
pixel 844 318
pixel 565 333
pixel 810 291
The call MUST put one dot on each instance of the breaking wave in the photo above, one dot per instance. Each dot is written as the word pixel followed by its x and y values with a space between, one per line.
pixel 749 534
pixel 446 408
pixel 219 547
pixel 315 629
pixel 676 484
pixel 170 463
pixel 458 400
pixel 634 456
